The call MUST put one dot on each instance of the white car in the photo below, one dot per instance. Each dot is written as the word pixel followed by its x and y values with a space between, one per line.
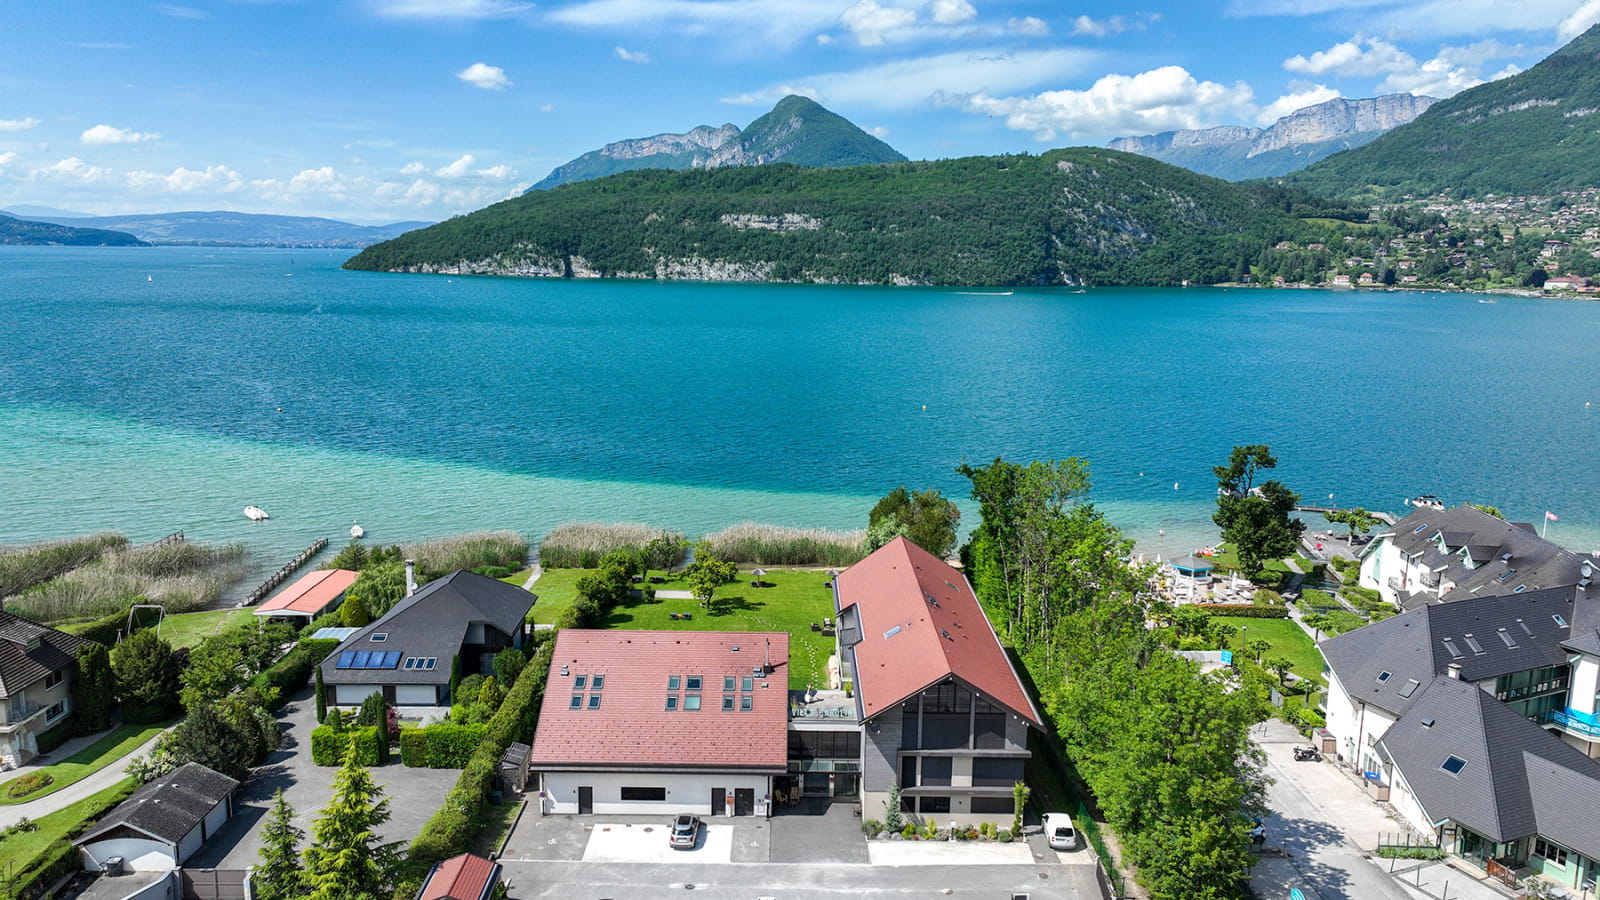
pixel 1059 831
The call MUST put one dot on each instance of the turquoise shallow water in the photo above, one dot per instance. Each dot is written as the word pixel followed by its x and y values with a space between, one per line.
pixel 149 390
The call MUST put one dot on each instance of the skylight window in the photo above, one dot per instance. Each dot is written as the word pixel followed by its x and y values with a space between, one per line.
pixel 746 704
pixel 727 703
pixel 891 632
pixel 694 682
pixel 1384 676
pixel 673 682
pixel 1411 687
pixel 672 702
pixel 747 684
pixel 1506 575
pixel 1453 764
pixel 1508 639
pixel 1420 528
pixel 1560 620
pixel 1449 645
pixel 577 702
pixel 580 682
pixel 1520 588
pixel 691 702
pixel 1472 642
pixel 596 683
pixel 729 683
pixel 379 637
pixel 594 701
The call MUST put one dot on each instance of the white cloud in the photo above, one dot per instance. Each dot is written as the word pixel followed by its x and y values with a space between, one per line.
pixel 106 134
pixel 633 56
pixel 1581 19
pixel 547 107
pixel 1033 25
pixel 19 124
pixel 72 169
pixel 458 168
pixel 1451 71
pixel 181 12
pixel 1099 27
pixel 1357 56
pixel 1304 96
pixel 1433 18
pixel 7 158
pixel 499 173
pixel 413 168
pixel 951 12
pixel 917 81
pixel 219 179
pixel 878 131
pixel 1161 99
pixel 449 9
pixel 775 21
pixel 872 24
pixel 483 75
pixel 323 178
pixel 824 39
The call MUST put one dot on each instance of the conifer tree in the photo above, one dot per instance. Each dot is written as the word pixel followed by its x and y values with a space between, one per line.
pixel 279 876
pixel 322 695
pixel 345 861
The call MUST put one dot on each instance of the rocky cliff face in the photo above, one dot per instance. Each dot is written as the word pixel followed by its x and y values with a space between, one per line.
pixel 704 138
pixel 1309 134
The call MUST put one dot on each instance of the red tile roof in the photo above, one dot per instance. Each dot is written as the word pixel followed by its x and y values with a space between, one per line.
pixel 909 643
pixel 464 877
pixel 634 728
pixel 312 594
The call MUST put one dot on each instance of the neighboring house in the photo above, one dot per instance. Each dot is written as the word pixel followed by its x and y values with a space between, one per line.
pixel 464 877
pixel 317 593
pixel 406 654
pixel 640 722
pixel 36 664
pixel 944 714
pixel 1476 719
pixel 163 823
pixel 1447 554
pixel 1565 283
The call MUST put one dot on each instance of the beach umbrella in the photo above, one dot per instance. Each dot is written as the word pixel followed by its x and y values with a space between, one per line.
pixel 759 573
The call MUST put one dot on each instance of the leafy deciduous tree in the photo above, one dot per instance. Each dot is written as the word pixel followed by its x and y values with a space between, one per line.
pixel 147 678
pixel 925 518
pixel 1255 519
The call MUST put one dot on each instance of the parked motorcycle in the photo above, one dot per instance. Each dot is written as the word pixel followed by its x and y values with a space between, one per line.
pixel 1307 754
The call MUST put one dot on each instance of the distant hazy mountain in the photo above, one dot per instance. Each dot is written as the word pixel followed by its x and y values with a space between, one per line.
pixel 26 231
pixel 242 229
pixel 31 211
pixel 797 131
pixel 1537 132
pixel 1237 152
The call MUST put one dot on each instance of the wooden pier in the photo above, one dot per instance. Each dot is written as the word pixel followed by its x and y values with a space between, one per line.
pixel 282 575
pixel 174 538
pixel 1383 517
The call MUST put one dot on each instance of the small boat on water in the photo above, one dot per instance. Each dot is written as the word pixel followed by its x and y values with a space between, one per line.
pixel 357 532
pixel 256 514
pixel 1487 300
pixel 149 278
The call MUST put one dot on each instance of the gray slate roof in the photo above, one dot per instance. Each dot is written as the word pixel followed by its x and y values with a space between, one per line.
pixel 432 623
pixel 1512 633
pixel 169 807
pixel 19 666
pixel 1518 779
pixel 1465 531
pixel 1585 637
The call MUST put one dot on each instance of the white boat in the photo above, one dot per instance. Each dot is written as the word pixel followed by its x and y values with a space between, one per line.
pixel 256 514
pixel 357 532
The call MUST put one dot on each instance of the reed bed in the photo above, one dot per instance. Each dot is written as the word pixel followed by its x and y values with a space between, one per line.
pixel 33 564
pixel 180 576
pixel 781 545
pixel 579 545
pixel 469 551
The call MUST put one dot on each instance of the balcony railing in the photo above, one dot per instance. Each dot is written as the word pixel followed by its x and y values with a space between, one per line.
pixel 1571 723
pixel 19 710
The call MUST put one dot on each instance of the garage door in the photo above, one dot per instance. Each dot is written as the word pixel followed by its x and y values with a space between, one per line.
pixel 415 695
pixel 353 694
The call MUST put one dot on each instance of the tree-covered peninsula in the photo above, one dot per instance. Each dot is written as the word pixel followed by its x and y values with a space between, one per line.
pixel 1078 216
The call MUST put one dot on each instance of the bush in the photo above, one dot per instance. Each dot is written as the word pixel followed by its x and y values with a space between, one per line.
pixel 109 628
pixel 779 545
pixel 29 783
pixel 441 746
pixel 1410 853
pixel 1336 622
pixel 60 734
pixel 414 748
pixel 1003 836
pixel 1267 597
pixel 291 673
pixel 872 828
pixel 579 545
pixel 1314 597
pixel 1244 611
pixel 328 747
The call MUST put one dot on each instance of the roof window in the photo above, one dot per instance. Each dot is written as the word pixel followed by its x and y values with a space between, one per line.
pixel 594 701
pixel 1428 722
pixel 1450 646
pixel 378 637
pixel 577 702
pixel 1472 642
pixel 1520 588
pixel 1420 528
pixel 691 702
pixel 580 682
pixel 693 682
pixel 596 683
pixel 746 703
pixel 1506 575
pixel 1411 687
pixel 672 702
pixel 727 702
pixel 673 682
pixel 1384 676
pixel 1509 640
pixel 891 632
pixel 1453 764
pixel 1560 619
pixel 728 682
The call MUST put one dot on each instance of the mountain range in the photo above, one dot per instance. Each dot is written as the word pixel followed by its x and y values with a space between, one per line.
pixel 796 130
pixel 1534 133
pixel 1237 152
pixel 27 231
pixel 237 229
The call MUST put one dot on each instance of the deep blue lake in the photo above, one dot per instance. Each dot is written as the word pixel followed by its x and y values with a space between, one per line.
pixel 150 390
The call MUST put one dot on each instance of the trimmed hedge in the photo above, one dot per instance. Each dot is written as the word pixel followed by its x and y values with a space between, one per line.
pixel 328 747
pixel 441 746
pixel 413 748
pixel 291 673
pixel 60 859
pixel 59 734
pixel 454 827
pixel 1243 610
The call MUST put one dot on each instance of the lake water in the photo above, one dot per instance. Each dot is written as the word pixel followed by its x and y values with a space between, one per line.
pixel 152 390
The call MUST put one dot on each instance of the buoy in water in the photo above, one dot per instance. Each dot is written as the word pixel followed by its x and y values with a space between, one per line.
pixel 1174 485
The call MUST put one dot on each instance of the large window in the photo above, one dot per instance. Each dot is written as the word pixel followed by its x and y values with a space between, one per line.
pixel 933 804
pixel 936 770
pixel 908 772
pixel 53 679
pixel 1555 853
pixel 996 772
pixel 644 793
pixel 993 805
pixel 824 745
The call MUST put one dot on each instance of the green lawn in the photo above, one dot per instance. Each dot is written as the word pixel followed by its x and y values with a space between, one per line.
pixel 796 600
pixel 189 629
pixel 19 851
pixel 1287 641
pixel 115 745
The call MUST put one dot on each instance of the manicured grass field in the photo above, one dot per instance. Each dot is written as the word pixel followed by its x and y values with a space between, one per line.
pixel 115 745
pixel 189 629
pixel 19 851
pixel 796 599
pixel 1287 641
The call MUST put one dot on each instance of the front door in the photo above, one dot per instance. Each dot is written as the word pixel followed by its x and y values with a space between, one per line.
pixel 744 801
pixel 585 800
pixel 719 800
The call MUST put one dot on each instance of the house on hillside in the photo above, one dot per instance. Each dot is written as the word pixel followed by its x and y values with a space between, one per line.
pixel 407 654
pixel 642 722
pixel 163 823
pixel 318 593
pixel 1565 283
pixel 943 713
pixel 36 666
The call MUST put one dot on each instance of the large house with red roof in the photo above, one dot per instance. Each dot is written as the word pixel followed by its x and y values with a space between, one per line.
pixel 942 711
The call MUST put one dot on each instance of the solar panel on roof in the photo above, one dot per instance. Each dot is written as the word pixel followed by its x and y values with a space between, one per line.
pixel 344 660
pixel 390 659
pixel 360 661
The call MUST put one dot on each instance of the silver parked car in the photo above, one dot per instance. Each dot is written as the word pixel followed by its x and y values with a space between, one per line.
pixel 685 832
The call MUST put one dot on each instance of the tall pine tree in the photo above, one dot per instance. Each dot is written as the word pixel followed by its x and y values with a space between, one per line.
pixel 279 877
pixel 345 860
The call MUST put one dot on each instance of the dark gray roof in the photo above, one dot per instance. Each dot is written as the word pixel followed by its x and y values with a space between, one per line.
pixel 1512 774
pixel 21 666
pixel 1585 637
pixel 432 623
pixel 169 807
pixel 1469 548
pixel 1487 636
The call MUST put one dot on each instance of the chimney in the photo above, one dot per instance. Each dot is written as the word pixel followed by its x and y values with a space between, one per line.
pixel 411 577
pixel 1453 670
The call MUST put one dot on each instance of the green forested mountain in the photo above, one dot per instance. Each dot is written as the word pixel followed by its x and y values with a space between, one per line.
pixel 1537 132
pixel 796 130
pixel 24 231
pixel 1074 216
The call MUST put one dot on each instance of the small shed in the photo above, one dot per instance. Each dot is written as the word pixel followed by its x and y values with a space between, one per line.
pixel 1193 566
pixel 512 775
pixel 464 877
pixel 309 597
pixel 163 823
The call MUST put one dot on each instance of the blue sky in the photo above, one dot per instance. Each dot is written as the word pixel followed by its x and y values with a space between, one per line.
pixel 385 110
